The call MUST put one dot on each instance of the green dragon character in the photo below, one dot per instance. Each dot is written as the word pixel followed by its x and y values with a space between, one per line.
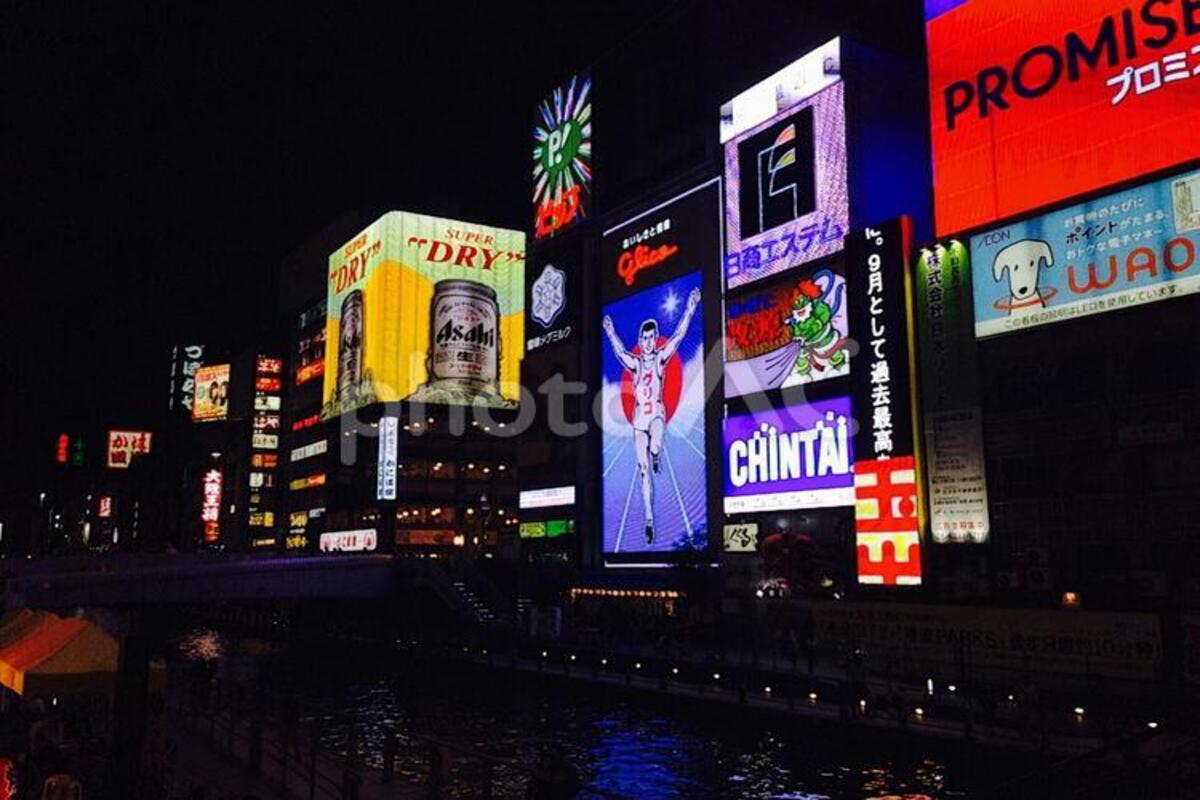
pixel 822 345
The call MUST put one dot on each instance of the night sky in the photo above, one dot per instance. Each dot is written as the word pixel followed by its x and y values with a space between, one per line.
pixel 159 158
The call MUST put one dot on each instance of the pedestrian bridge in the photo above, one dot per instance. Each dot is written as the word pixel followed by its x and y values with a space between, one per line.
pixel 139 579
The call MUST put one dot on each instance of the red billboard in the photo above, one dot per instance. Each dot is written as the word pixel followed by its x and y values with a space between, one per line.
pixel 1033 103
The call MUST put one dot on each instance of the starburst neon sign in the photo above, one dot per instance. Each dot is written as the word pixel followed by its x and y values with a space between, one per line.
pixel 562 158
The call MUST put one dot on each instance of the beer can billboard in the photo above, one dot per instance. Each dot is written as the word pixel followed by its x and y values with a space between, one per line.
pixel 426 310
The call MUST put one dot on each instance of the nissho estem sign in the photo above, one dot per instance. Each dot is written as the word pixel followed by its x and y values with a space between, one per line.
pixel 1126 249
pixel 425 310
pixel 787 197
pixel 1034 103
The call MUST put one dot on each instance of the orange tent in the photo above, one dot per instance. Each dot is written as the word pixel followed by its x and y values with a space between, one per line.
pixel 44 653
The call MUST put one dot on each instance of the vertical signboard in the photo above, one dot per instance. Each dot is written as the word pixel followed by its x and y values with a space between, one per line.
pixel 654 485
pixel 210 504
pixel 954 462
pixel 1126 249
pixel 185 360
pixel 787 199
pixel 389 436
pixel 887 478
pixel 562 158
pixel 425 310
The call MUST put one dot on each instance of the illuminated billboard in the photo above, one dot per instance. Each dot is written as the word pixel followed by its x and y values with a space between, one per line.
pixel 652 374
pixel 799 456
pixel 1130 248
pixel 552 297
pixel 788 331
pixel 123 446
pixel 888 486
pixel 359 541
pixel 1031 107
pixel 958 500
pixel 562 158
pixel 211 400
pixel 547 498
pixel 787 199
pixel 425 310
pixel 652 430
pixel 210 504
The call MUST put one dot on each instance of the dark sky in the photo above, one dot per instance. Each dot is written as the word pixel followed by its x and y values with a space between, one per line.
pixel 158 158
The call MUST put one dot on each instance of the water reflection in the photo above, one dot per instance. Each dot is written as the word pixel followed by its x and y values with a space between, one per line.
pixel 627 744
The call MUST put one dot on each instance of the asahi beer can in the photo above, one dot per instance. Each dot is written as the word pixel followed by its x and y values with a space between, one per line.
pixel 464 337
pixel 350 346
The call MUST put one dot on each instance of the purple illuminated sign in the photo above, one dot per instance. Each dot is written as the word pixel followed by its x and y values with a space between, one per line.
pixel 787 201
pixel 799 456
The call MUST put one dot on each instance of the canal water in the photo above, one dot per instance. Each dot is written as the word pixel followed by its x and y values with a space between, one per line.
pixel 635 745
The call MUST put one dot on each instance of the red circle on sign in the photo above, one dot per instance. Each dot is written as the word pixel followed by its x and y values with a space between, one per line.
pixel 672 383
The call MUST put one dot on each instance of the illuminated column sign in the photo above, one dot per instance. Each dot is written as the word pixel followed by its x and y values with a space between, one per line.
pixel 210 505
pixel 268 383
pixel 562 158
pixel 958 509
pixel 385 486
pixel 887 486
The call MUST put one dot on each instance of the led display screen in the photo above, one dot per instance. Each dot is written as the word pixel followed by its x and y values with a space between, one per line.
pixel 562 158
pixel 787 200
pixel 799 456
pixel 652 431
pixel 1033 106
pixel 211 399
pixel 1130 248
pixel 787 331
pixel 425 310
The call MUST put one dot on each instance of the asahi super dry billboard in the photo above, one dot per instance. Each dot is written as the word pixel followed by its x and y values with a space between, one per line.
pixel 426 310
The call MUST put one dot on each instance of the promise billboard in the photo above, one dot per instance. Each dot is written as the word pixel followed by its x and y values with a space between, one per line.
pixel 425 310
pixel 1037 103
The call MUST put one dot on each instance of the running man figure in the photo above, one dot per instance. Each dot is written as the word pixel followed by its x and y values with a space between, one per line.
pixel 649 413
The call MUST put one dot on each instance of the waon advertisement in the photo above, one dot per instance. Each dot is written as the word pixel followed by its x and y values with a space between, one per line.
pixel 787 200
pixel 425 310
pixel 1037 103
pixel 888 487
pixel 1127 249
pixel 562 158
pixel 654 492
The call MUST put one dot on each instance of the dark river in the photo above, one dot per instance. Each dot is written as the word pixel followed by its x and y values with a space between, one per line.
pixel 636 745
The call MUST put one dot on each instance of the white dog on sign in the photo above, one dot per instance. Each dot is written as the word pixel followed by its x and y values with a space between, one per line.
pixel 1024 262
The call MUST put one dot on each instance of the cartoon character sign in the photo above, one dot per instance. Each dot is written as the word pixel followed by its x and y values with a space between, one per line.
pixel 653 429
pixel 789 333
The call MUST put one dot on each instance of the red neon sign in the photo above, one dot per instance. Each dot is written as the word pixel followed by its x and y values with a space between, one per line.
pixel 631 262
